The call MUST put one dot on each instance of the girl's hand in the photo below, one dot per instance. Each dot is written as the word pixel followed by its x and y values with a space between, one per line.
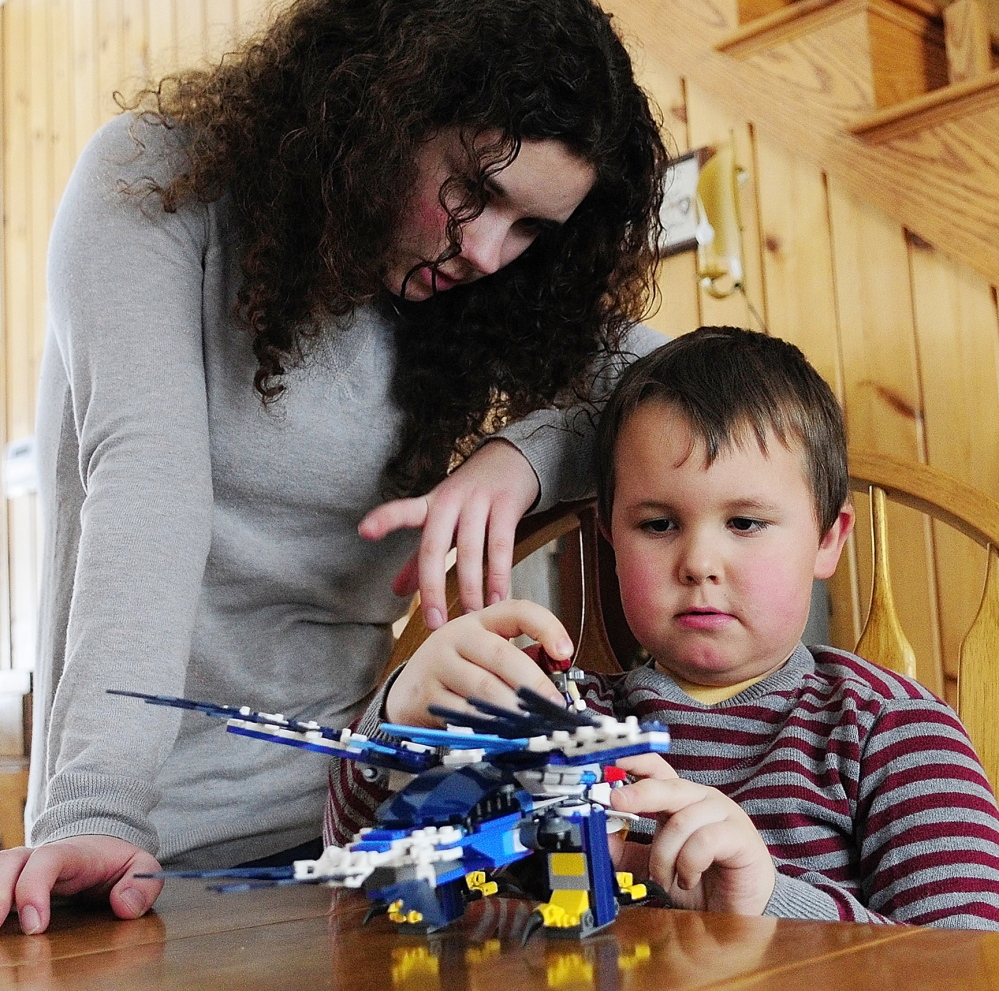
pixel 476 509
pixel 99 866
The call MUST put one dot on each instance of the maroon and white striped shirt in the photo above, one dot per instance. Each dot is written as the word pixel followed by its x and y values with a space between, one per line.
pixel 863 785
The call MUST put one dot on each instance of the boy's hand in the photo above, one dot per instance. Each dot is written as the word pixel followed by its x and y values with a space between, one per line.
pixel 472 657
pixel 706 852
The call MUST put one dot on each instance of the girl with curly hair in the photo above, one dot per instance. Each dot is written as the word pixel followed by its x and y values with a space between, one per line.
pixel 283 291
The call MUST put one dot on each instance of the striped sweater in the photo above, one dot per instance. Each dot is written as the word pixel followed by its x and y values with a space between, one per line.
pixel 863 785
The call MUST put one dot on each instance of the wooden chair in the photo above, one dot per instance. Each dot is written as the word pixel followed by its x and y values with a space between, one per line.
pixel 972 513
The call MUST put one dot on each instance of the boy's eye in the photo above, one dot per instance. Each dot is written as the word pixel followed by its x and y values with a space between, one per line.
pixel 743 524
pixel 658 526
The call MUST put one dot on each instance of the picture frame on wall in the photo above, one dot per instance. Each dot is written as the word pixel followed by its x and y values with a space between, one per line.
pixel 679 213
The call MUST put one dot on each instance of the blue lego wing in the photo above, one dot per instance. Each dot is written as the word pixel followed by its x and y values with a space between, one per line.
pixel 541 731
pixel 244 878
pixel 455 740
pixel 306 735
pixel 558 735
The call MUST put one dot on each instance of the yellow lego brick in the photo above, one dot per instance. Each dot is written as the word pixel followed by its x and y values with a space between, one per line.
pixel 567 864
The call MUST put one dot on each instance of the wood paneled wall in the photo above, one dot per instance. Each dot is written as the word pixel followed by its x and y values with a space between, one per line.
pixel 63 60
pixel 909 340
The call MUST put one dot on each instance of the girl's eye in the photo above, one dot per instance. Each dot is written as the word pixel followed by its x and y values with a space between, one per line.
pixel 658 526
pixel 535 227
pixel 743 524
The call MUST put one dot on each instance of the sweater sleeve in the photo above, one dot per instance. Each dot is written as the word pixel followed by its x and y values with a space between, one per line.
pixel 126 487
pixel 927 831
pixel 353 797
pixel 559 443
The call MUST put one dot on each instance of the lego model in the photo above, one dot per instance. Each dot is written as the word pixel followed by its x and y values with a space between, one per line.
pixel 496 787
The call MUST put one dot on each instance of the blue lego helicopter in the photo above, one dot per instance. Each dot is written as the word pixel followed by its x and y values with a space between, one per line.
pixel 494 788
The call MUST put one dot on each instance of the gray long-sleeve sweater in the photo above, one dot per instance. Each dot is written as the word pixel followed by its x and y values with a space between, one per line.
pixel 196 543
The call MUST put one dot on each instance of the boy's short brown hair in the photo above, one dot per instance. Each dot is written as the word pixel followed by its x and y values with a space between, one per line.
pixel 728 384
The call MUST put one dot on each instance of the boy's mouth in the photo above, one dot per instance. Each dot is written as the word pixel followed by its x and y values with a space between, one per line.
pixel 703 618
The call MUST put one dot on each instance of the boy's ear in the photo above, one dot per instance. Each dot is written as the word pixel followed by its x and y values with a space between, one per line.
pixel 831 545
pixel 604 527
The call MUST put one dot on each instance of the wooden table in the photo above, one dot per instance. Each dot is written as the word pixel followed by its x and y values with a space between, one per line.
pixel 309 938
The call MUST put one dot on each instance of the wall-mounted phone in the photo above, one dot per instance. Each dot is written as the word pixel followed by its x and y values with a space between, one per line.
pixel 719 232
pixel 701 212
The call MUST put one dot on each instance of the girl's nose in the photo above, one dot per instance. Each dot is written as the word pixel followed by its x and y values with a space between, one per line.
pixel 482 244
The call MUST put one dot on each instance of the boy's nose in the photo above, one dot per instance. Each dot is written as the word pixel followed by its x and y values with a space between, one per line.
pixel 694 576
pixel 699 563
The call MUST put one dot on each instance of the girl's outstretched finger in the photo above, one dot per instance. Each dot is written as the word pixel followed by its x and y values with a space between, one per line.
pixel 397 514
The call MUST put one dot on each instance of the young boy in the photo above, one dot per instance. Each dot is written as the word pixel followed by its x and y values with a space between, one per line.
pixel 803 782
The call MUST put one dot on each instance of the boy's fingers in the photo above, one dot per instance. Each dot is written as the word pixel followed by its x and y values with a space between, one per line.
pixel 472 657
pixel 750 874
pixel 495 666
pixel 519 617
pixel 654 796
pixel 648 766
pixel 686 844
pixel 711 843
pixel 488 644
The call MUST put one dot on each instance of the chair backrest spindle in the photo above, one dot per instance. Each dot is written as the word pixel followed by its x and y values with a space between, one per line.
pixel 883 637
pixel 975 514
pixel 978 682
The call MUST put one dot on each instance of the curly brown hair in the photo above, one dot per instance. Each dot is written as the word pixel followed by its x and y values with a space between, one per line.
pixel 313 128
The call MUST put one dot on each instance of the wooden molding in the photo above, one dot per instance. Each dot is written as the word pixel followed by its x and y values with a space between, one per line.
pixel 969 47
pixel 783 25
pixel 807 16
pixel 957 105
pixel 942 186
pixel 886 51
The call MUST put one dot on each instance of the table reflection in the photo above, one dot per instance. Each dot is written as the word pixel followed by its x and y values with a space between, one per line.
pixel 644 948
